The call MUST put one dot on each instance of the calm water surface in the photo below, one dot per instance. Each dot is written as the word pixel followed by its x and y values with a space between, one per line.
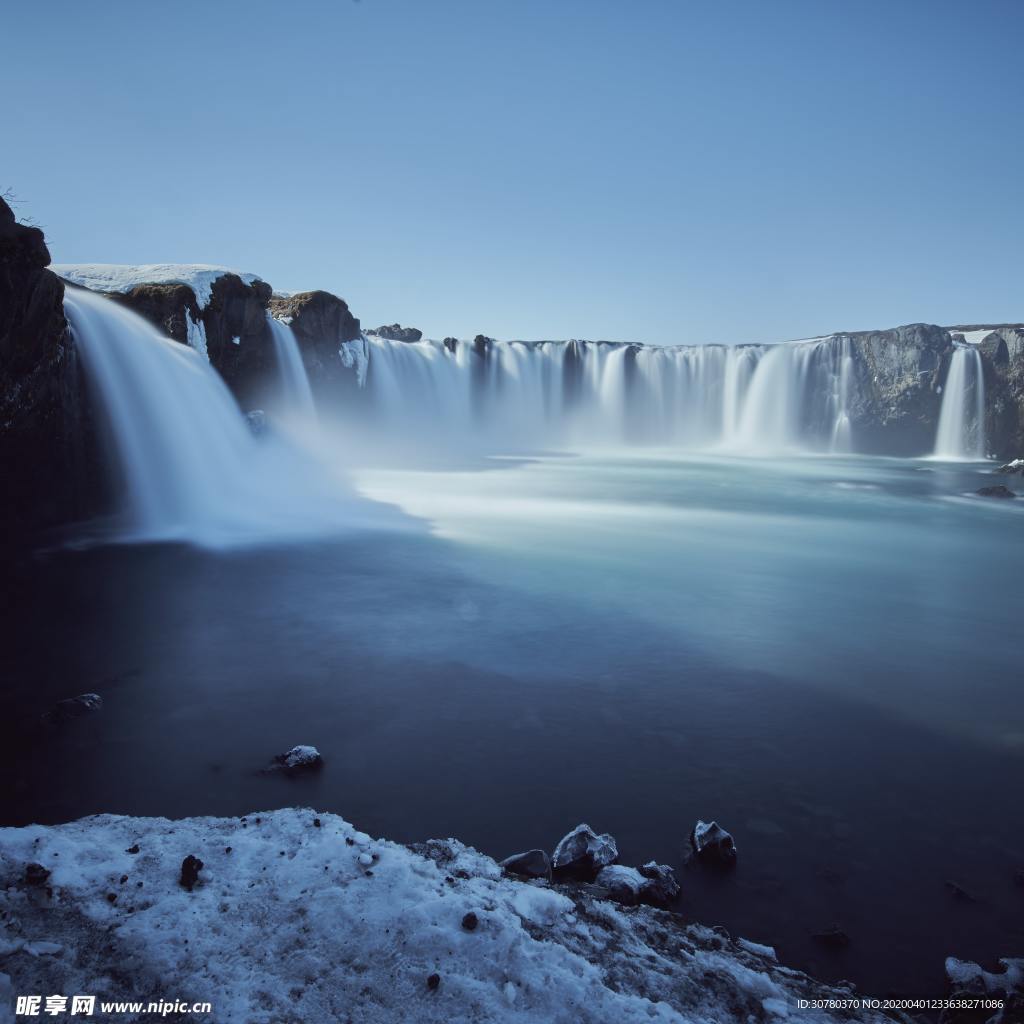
pixel 822 654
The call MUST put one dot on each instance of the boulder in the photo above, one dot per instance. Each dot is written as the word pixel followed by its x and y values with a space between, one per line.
pixel 1012 468
pixel 995 491
pixel 396 332
pixel 452 344
pixel 654 884
pixel 582 853
pixel 531 864
pixel 297 760
pixel 712 844
pixel 660 887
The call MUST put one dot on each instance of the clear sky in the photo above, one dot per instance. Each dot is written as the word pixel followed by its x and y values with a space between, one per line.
pixel 654 170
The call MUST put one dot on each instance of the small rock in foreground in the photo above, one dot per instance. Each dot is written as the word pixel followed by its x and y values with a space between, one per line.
pixel 531 864
pixel 190 868
pixel 995 491
pixel 711 843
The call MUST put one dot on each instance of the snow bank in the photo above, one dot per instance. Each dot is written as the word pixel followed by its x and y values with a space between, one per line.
pixel 120 277
pixel 299 917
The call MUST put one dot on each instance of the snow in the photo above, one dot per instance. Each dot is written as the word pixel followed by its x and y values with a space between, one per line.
pixel 196 335
pixel 296 916
pixel 976 337
pixel 119 277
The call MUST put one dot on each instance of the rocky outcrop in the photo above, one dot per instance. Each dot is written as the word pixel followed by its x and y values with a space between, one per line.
pixel 896 395
pixel 44 431
pixel 396 332
pixel 231 330
pixel 1002 357
pixel 329 338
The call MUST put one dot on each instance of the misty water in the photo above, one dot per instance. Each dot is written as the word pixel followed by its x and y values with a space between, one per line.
pixel 819 652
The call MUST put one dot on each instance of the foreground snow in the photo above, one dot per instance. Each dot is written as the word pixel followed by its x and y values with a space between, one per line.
pixel 123 277
pixel 298 917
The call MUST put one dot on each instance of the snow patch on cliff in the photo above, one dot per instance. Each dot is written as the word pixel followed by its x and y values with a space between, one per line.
pixel 118 277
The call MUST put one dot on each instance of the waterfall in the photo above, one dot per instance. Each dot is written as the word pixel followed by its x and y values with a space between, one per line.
pixel 961 430
pixel 744 399
pixel 187 464
pixel 298 395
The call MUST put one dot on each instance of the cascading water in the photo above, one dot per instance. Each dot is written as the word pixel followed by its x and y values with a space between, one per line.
pixel 188 464
pixel 744 399
pixel 961 430
pixel 298 395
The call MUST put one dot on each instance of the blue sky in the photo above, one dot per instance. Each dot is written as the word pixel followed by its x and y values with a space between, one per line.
pixel 647 170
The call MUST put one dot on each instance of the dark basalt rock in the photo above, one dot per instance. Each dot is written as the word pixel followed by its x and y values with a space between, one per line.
pixel 470 921
pixel 531 864
pixel 328 336
pixel 712 844
pixel 396 332
pixel 73 707
pixel 190 868
pixel 661 888
pixel 452 344
pixel 167 306
pixel 1014 468
pixel 239 344
pixel 582 853
pixel 47 440
pixel 995 491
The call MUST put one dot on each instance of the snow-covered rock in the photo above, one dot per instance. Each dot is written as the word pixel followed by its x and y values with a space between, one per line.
pixel 1013 468
pixel 287 924
pixel 712 843
pixel 119 277
pixel 582 853
pixel 302 758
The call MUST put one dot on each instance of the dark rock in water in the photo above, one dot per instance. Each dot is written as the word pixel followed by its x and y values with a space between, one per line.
pixel 582 853
pixel 995 491
pixel 73 707
pixel 36 874
pixel 470 921
pixel 190 868
pixel 531 864
pixel 832 938
pixel 452 344
pixel 661 887
pixel 396 332
pixel 295 761
pixel 433 981
pixel 712 844
pixel 257 420
pixel 1014 468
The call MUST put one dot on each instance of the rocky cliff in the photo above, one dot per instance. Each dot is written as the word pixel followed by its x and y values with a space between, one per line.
pixel 43 420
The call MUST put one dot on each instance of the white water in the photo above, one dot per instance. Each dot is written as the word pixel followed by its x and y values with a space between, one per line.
pixel 298 395
pixel 961 431
pixel 188 466
pixel 746 399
